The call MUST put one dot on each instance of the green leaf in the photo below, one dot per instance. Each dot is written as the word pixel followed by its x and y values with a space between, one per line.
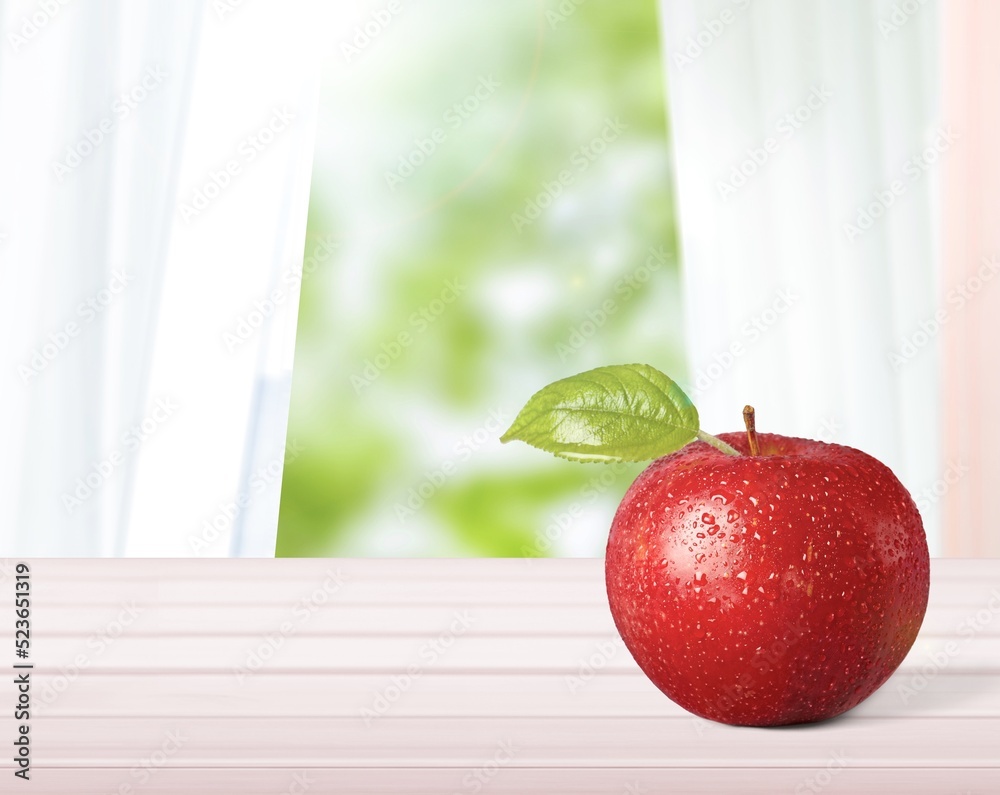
pixel 626 412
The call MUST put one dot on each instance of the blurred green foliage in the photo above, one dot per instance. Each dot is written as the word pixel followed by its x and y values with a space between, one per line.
pixel 532 297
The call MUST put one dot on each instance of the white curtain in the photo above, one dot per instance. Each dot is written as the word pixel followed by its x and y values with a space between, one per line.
pixel 154 172
pixel 808 142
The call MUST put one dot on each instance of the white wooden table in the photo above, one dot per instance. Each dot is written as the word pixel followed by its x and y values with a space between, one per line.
pixel 445 676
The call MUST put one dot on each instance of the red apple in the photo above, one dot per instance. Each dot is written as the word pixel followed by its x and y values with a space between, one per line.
pixel 776 588
pixel 757 580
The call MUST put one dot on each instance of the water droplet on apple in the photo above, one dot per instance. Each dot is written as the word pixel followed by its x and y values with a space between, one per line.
pixel 829 618
pixel 707 518
pixel 720 498
pixel 713 530
pixel 732 516
pixel 700 557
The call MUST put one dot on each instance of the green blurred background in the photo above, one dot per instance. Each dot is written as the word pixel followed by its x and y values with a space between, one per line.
pixel 483 244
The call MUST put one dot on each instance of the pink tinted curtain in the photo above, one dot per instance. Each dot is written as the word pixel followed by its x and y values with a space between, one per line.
pixel 970 285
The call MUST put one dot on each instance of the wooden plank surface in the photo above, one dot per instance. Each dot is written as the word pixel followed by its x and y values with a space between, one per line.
pixel 494 676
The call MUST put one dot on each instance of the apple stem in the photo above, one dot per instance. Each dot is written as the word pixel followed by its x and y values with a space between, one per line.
pixel 717 443
pixel 749 421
